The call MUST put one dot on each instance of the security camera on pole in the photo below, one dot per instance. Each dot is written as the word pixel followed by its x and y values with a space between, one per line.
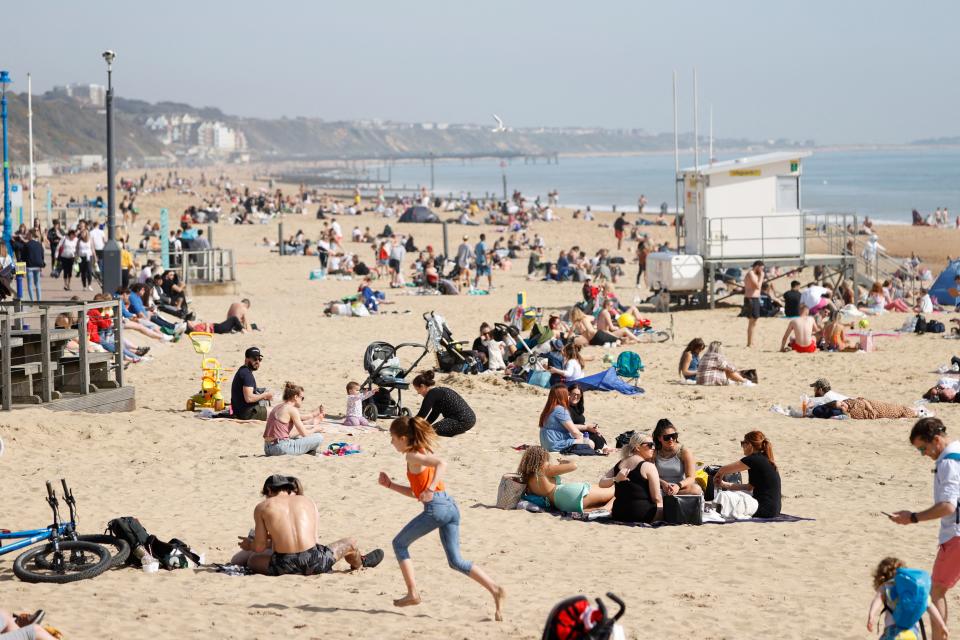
pixel 110 269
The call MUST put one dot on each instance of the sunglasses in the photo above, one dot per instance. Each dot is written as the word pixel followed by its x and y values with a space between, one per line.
pixel 648 445
pixel 667 437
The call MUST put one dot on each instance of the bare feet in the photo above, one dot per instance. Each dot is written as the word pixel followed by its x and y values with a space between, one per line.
pixel 498 598
pixel 408 600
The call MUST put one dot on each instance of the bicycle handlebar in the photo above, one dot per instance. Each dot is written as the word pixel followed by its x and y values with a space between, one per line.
pixel 50 493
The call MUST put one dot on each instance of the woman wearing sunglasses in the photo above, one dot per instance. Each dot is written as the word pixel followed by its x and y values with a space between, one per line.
pixel 636 483
pixel 764 479
pixel 675 463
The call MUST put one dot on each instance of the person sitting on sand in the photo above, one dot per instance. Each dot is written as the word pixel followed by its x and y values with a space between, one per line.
pixel 572 364
pixel 557 430
pixel 544 480
pixel 636 482
pixel 715 370
pixel 355 397
pixel 239 311
pixel 690 360
pixel 884 603
pixel 607 321
pixel 583 325
pixel 285 537
pixel 416 440
pixel 23 626
pixel 578 415
pixel 455 415
pixel 276 435
pixel 245 397
pixel 764 479
pixel 799 333
pixel 675 463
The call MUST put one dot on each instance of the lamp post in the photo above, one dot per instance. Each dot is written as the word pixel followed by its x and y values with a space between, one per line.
pixel 110 269
pixel 7 220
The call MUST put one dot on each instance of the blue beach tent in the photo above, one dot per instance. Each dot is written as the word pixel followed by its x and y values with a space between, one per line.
pixel 945 289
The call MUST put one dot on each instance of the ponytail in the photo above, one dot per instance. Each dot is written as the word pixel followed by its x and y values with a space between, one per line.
pixel 418 433
pixel 761 445
pixel 291 391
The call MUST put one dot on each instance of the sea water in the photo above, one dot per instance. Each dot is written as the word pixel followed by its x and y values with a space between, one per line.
pixel 885 184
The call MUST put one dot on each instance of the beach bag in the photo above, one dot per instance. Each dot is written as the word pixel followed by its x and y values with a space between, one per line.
pixel 509 492
pixel 710 491
pixel 576 619
pixel 174 554
pixel 935 326
pixel 624 438
pixel 908 597
pixel 751 375
pixel 129 529
pixel 683 509
pixel 866 342
pixel 539 379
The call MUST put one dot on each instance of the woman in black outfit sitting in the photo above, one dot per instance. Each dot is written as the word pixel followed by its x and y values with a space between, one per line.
pixel 636 483
pixel 764 478
pixel 577 411
pixel 443 402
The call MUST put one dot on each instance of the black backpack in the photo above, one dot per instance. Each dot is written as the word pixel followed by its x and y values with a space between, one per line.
pixel 935 326
pixel 129 528
pixel 921 324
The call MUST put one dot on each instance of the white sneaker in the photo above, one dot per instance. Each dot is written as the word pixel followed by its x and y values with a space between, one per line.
pixel 180 328
pixel 165 337
pixel 747 383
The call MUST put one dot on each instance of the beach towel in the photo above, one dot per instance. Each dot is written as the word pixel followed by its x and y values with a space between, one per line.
pixel 736 505
pixel 863 409
pixel 608 381
pixel 603 517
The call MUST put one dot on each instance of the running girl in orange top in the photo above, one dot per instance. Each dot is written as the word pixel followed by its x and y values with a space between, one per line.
pixel 415 438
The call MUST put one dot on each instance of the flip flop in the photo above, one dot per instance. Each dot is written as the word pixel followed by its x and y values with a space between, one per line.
pixel 372 559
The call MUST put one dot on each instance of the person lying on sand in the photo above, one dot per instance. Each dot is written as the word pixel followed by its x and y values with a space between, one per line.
pixel 287 523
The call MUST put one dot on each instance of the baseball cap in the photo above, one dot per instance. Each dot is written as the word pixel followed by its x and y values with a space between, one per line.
pixel 821 383
pixel 254 353
pixel 277 482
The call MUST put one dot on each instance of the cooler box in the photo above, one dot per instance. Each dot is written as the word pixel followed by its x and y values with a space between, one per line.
pixel 675 272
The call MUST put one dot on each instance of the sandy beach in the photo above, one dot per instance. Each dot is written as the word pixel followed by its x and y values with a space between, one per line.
pixel 198 480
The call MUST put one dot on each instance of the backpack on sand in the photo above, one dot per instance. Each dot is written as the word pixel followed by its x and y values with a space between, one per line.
pixel 129 529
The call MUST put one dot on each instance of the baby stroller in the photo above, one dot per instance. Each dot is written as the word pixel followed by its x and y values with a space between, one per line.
pixel 451 355
pixel 576 619
pixel 384 369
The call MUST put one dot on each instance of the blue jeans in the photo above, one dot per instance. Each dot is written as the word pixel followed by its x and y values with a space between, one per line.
pixel 440 513
pixel 33 283
pixel 293 446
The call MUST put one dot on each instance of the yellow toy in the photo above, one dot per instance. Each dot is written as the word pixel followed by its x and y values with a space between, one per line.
pixel 626 320
pixel 210 394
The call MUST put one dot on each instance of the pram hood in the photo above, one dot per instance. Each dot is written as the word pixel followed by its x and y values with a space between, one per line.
pixel 380 361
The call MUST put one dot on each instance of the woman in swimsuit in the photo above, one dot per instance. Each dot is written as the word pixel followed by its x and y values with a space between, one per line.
pixel 416 439
pixel 583 325
pixel 276 435
pixel 636 483
pixel 606 321
pixel 543 479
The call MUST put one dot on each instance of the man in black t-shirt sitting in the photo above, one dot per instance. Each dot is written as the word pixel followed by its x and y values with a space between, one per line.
pixel 244 395
pixel 791 300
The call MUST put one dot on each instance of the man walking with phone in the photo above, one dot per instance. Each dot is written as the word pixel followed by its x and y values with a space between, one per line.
pixel 929 437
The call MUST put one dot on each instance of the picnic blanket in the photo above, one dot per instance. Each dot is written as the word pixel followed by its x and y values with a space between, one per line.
pixel 863 409
pixel 603 517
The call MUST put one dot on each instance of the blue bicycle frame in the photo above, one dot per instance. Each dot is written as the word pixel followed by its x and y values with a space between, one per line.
pixel 29 537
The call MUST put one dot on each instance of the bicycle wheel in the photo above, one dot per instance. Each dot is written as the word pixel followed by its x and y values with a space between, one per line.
pixel 76 561
pixel 660 336
pixel 120 549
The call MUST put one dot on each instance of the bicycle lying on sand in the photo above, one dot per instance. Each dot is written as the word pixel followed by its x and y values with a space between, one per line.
pixel 66 556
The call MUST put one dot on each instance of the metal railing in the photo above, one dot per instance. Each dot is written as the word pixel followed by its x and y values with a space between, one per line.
pixel 202 266
pixel 722 236
pixel 34 348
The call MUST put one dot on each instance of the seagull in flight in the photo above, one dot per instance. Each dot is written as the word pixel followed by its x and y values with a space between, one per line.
pixel 499 128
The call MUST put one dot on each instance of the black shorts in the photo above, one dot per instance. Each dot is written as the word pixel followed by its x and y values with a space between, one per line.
pixel 319 559
pixel 394 264
pixel 751 307
pixel 601 338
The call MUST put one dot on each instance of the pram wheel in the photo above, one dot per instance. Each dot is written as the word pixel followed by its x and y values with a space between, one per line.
pixel 405 412
pixel 370 412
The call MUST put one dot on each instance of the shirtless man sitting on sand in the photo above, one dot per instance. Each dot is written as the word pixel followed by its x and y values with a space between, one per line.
pixel 287 520
pixel 802 327
pixel 239 310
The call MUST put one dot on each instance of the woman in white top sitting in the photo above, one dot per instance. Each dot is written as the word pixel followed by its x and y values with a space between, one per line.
pixel 572 364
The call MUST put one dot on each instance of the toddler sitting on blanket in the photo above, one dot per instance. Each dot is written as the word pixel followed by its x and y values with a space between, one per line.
pixel 495 354
pixel 355 398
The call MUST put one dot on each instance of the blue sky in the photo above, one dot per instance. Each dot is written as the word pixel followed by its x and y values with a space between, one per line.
pixel 837 72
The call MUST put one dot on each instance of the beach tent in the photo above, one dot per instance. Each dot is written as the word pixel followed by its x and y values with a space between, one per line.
pixel 419 214
pixel 608 381
pixel 945 289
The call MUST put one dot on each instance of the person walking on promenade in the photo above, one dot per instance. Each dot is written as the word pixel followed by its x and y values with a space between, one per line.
pixel 929 437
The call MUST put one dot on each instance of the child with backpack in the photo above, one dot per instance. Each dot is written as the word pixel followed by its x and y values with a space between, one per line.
pixel 903 595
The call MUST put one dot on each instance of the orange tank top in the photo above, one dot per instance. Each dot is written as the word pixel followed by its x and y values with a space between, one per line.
pixel 420 481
